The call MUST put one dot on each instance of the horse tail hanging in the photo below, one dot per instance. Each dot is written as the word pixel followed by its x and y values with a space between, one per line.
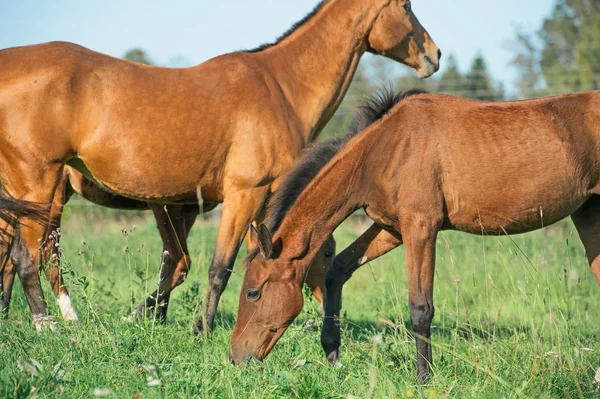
pixel 11 210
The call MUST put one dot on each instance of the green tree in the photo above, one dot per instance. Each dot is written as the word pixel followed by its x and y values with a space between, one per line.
pixel 568 58
pixel 451 81
pixel 526 61
pixel 137 55
pixel 479 84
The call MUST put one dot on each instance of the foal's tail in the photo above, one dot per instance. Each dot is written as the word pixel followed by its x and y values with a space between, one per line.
pixel 11 210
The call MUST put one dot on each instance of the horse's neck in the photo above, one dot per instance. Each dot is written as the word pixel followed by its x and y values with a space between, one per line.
pixel 315 64
pixel 328 200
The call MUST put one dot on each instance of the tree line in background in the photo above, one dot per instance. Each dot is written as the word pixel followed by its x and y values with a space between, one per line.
pixel 562 56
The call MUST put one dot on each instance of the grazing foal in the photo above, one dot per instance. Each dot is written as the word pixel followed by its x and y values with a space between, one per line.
pixel 432 162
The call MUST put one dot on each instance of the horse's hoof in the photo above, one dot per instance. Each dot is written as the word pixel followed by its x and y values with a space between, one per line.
pixel 423 378
pixel 333 358
pixel 201 327
pixel 43 322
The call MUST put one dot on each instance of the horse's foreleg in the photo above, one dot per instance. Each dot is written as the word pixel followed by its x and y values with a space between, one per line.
pixel 174 223
pixel 239 209
pixel 372 244
pixel 419 235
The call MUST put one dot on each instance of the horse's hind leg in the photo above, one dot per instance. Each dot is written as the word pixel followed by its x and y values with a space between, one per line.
pixel 7 278
pixel 174 223
pixel 587 222
pixel 36 185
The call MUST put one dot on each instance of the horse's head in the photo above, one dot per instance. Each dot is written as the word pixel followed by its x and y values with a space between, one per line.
pixel 397 34
pixel 270 299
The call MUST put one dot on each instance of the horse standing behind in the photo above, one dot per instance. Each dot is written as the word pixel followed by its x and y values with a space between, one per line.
pixel 433 162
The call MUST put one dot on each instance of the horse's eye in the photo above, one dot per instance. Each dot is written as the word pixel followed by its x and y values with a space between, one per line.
pixel 407 6
pixel 253 295
pixel 328 254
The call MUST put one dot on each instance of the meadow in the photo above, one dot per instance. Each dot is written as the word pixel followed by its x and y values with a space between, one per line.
pixel 515 317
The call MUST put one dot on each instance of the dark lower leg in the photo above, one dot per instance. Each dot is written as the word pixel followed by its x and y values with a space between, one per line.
pixel 372 244
pixel 421 315
pixel 7 278
pixel 28 274
pixel 239 209
pixel 420 262
pixel 218 276
pixel 174 223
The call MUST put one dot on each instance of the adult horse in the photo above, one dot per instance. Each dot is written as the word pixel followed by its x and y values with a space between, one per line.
pixel 225 130
pixel 434 162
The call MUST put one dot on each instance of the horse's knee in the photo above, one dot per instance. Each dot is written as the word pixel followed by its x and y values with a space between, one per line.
pixel 421 315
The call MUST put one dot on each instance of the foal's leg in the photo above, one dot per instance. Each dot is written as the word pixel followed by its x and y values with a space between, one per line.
pixel 239 209
pixel 419 234
pixel 174 223
pixel 372 244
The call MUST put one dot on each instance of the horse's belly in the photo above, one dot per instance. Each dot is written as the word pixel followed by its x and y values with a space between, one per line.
pixel 512 210
pixel 155 182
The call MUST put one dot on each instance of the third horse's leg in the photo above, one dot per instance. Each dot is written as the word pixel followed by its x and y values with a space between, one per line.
pixel 173 222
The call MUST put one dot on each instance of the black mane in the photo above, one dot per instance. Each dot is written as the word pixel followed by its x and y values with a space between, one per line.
pixel 315 156
pixel 291 30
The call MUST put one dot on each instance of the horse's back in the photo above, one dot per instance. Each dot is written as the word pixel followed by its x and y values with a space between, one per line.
pixel 505 167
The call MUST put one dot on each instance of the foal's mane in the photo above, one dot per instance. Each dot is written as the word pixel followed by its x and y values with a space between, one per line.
pixel 292 29
pixel 317 155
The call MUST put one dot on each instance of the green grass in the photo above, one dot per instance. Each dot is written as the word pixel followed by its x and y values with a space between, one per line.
pixel 515 317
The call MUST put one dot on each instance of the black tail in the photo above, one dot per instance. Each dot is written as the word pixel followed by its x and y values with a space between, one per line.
pixel 11 210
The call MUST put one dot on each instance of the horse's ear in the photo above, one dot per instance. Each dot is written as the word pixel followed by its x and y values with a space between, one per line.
pixel 265 241
pixel 253 236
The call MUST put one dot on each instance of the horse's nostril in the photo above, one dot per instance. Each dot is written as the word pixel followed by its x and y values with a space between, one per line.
pixel 439 54
pixel 428 59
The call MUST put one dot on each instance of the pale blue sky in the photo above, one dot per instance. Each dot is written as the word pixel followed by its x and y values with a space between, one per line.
pixel 201 29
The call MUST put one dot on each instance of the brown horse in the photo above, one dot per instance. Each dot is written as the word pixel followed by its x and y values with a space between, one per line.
pixel 225 130
pixel 434 162
pixel 173 227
